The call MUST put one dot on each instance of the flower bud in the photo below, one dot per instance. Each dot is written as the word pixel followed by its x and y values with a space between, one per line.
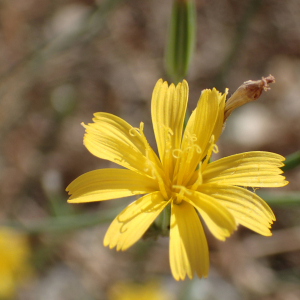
pixel 248 91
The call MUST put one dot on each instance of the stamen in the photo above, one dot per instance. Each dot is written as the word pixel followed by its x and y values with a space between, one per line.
pixel 179 196
pixel 177 153
pixel 215 149
pixel 187 158
pixel 193 138
pixel 133 131
pixel 198 149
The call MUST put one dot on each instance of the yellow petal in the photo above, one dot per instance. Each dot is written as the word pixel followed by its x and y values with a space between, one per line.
pixel 203 119
pixel 249 201
pixel 188 245
pixel 124 231
pixel 218 219
pixel 197 135
pixel 111 138
pixel 246 207
pixel 220 119
pixel 253 169
pixel 106 184
pixel 168 107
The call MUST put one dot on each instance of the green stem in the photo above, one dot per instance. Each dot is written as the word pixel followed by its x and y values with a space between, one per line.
pixel 162 223
pixel 181 39
pixel 292 161
pixel 287 199
pixel 166 220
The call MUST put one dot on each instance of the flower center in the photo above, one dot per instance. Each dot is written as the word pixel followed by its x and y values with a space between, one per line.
pixel 178 193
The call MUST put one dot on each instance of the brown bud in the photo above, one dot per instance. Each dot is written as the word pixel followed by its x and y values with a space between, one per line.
pixel 248 91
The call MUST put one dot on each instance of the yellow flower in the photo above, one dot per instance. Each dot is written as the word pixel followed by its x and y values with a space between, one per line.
pixel 134 291
pixel 14 265
pixel 181 177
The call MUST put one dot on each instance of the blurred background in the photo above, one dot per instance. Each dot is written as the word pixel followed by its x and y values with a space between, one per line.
pixel 61 61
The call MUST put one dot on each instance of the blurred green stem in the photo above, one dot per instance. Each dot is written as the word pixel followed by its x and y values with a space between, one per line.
pixel 163 222
pixel 286 199
pixel 181 39
pixel 292 161
pixel 66 223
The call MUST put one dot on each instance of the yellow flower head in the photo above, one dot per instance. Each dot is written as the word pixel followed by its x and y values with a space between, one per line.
pixel 180 176
pixel 14 261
